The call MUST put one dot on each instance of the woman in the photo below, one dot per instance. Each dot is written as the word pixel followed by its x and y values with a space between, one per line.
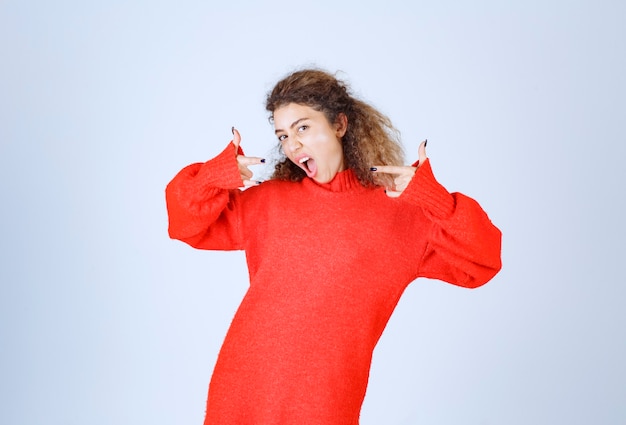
pixel 331 240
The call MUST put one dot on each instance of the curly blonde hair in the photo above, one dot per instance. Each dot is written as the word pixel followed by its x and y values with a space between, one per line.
pixel 370 138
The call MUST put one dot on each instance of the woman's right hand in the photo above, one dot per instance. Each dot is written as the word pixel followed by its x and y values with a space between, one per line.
pixel 245 161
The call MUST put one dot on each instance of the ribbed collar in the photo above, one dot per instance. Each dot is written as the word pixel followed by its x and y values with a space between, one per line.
pixel 344 181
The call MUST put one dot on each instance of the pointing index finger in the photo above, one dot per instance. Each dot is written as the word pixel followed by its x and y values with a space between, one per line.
pixel 389 169
pixel 250 160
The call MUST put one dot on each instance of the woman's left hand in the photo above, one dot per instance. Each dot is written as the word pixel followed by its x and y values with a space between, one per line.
pixel 403 174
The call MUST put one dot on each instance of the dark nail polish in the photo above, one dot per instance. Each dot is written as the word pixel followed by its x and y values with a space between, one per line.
pixel 373 169
pixel 263 160
pixel 425 142
pixel 232 129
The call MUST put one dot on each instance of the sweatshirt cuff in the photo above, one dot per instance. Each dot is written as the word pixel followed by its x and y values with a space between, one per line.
pixel 425 191
pixel 222 171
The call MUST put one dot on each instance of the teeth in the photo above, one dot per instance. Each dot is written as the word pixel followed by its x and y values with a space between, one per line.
pixel 305 159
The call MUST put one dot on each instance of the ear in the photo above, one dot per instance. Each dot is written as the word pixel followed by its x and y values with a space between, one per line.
pixel 341 124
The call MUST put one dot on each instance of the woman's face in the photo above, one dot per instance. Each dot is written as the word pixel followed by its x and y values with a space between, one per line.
pixel 310 141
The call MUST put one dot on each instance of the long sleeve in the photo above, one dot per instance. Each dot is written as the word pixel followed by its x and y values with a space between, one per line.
pixel 201 203
pixel 463 244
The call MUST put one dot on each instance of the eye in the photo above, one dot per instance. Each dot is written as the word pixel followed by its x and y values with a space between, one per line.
pixel 282 137
pixel 302 128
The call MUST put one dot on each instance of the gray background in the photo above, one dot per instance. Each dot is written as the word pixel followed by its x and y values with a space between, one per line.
pixel 104 320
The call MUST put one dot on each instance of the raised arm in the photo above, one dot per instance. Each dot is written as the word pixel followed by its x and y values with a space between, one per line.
pixel 202 199
pixel 463 244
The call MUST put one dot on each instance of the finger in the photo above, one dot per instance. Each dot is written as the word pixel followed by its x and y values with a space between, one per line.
pixel 422 152
pixel 249 160
pixel 401 182
pixel 236 137
pixel 392 169
pixel 245 173
pixel 250 183
pixel 393 193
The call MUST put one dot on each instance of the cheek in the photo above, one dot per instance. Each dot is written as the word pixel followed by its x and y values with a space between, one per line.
pixel 338 147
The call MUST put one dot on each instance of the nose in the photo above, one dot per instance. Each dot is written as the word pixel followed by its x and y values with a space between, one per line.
pixel 293 144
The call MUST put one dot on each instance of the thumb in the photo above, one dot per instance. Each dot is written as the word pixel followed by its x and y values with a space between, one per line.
pixel 422 152
pixel 236 137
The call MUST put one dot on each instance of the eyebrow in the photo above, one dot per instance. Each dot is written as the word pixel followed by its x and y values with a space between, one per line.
pixel 293 124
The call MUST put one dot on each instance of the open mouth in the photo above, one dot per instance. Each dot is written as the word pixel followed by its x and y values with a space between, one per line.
pixel 308 165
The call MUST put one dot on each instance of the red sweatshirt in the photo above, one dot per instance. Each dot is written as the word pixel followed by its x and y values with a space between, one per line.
pixel 328 264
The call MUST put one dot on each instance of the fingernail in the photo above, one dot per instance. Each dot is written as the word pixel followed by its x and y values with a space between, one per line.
pixel 258 182
pixel 373 169
pixel 263 160
pixel 232 129
pixel 425 142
